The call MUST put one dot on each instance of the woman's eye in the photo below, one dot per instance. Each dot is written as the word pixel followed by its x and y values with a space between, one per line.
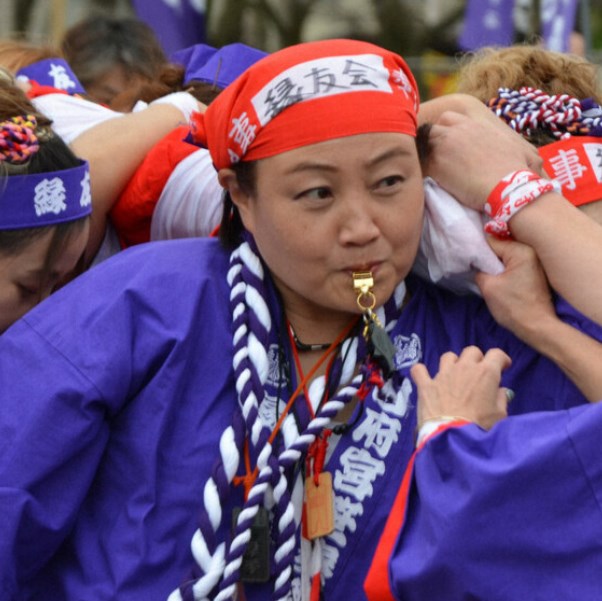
pixel 390 181
pixel 315 194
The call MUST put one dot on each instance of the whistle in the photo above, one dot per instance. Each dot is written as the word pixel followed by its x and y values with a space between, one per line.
pixel 363 282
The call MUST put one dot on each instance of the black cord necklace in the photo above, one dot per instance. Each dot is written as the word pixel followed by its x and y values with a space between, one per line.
pixel 302 346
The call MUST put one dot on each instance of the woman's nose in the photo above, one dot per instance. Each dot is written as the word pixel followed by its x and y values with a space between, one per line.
pixel 359 226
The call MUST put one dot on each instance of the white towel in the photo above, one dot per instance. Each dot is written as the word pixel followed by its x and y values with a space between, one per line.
pixel 453 246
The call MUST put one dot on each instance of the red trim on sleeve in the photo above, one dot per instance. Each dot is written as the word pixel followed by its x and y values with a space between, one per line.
pixel 377 585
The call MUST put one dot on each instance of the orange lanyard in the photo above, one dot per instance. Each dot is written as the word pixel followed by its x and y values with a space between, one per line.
pixel 249 477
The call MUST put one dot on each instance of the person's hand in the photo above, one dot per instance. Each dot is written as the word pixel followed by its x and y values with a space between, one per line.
pixel 468 157
pixel 519 298
pixel 466 386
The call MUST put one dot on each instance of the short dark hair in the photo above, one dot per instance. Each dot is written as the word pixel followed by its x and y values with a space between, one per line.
pixel 96 43
pixel 232 229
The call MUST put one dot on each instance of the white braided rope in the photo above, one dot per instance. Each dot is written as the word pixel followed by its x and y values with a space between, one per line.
pixel 213 565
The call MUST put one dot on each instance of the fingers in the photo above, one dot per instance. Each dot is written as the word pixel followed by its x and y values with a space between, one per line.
pixel 495 357
pixel 466 385
pixel 498 359
pixel 420 375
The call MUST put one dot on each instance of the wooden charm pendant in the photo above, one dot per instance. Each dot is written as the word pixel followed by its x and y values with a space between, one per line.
pixel 319 505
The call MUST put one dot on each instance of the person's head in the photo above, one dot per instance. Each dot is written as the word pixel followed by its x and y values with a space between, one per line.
pixel 202 70
pixel 552 99
pixel 112 55
pixel 483 72
pixel 44 207
pixel 315 145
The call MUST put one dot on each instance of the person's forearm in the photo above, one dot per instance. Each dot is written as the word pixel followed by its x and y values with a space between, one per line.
pixel 114 150
pixel 569 246
pixel 578 355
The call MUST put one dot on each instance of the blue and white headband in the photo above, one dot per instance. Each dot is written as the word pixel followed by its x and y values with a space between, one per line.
pixel 52 72
pixel 43 199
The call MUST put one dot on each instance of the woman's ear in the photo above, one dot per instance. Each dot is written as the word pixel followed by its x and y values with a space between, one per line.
pixel 228 180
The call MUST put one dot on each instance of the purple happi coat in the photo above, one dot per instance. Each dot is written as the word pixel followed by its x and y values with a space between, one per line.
pixel 116 391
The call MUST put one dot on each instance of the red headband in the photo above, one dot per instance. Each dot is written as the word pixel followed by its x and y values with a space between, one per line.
pixel 576 163
pixel 307 94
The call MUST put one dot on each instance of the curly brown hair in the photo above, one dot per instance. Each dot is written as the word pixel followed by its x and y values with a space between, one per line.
pixel 486 70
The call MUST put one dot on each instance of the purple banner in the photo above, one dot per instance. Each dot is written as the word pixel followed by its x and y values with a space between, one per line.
pixel 177 23
pixel 557 23
pixel 487 23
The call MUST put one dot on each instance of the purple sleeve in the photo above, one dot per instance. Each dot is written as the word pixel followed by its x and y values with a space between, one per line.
pixel 49 451
pixel 103 345
pixel 513 513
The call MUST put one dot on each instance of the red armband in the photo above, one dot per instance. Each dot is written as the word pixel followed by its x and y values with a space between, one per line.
pixel 514 192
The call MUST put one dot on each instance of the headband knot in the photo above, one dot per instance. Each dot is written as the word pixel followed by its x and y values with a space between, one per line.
pixel 18 140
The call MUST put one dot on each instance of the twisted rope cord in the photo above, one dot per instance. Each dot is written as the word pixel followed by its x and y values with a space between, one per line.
pixel 18 140
pixel 209 554
pixel 528 108
pixel 252 323
pixel 287 460
pixel 252 357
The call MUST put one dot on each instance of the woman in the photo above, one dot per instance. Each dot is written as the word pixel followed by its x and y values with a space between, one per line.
pixel 113 55
pixel 44 207
pixel 220 419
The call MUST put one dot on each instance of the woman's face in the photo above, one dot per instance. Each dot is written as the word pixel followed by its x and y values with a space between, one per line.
pixel 24 280
pixel 324 211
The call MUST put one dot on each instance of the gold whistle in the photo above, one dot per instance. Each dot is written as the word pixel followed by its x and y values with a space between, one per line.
pixel 363 282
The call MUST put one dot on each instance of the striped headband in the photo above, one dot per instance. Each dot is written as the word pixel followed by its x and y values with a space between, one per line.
pixel 576 163
pixel 305 94
pixel 528 109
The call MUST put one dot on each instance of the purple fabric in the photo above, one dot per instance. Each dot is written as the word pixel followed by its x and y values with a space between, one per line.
pixel 510 514
pixel 53 72
pixel 557 23
pixel 487 23
pixel 217 66
pixel 176 24
pixel 120 386
pixel 45 198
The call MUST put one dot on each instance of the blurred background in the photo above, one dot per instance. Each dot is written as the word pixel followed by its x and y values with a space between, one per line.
pixel 430 34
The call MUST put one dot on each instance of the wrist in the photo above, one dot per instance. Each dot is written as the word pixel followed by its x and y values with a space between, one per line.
pixel 514 192
pixel 429 426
